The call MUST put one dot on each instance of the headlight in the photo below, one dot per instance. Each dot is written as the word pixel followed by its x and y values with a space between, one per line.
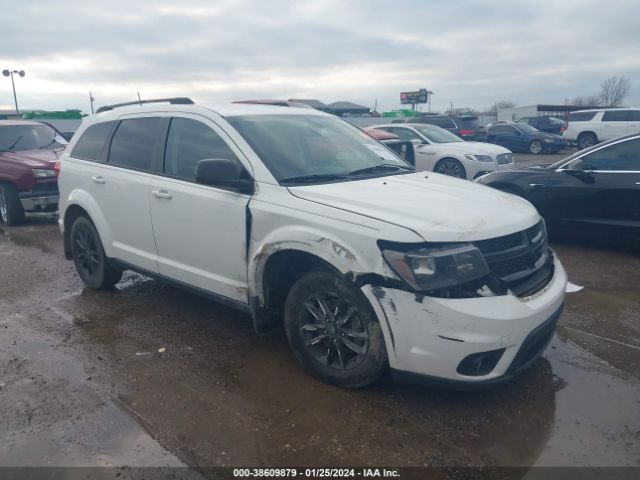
pixel 479 158
pixel 42 173
pixel 434 268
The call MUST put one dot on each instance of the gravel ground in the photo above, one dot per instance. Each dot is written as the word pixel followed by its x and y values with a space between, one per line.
pixel 83 380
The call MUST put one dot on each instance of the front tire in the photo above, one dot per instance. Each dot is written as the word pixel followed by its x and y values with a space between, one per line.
pixel 451 167
pixel 333 331
pixel 89 257
pixel 11 210
pixel 536 147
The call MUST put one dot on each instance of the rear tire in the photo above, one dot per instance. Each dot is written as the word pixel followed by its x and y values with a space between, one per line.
pixel 333 331
pixel 89 258
pixel 451 167
pixel 586 140
pixel 11 210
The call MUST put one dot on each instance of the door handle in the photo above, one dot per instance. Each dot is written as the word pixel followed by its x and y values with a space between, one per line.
pixel 98 179
pixel 161 194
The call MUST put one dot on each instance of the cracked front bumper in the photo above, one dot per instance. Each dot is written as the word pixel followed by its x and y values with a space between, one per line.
pixel 429 337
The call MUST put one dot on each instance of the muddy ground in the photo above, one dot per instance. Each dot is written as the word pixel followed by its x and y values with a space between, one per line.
pixel 82 381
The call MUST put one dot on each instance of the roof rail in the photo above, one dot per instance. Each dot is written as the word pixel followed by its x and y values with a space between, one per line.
pixel 172 101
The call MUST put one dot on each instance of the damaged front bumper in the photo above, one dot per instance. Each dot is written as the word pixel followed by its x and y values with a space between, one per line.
pixel 468 341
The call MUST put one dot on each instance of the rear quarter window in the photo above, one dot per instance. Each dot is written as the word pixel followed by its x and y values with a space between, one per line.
pixel 89 145
pixel 581 116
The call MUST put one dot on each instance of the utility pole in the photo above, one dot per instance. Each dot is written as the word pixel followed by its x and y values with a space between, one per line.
pixel 9 73
pixel 91 100
pixel 451 110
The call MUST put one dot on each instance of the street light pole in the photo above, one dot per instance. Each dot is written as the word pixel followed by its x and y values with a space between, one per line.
pixel 9 73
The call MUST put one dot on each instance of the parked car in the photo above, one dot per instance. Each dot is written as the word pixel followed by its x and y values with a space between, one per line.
pixel 466 127
pixel 299 218
pixel 588 127
pixel 403 148
pixel 443 152
pixel 519 137
pixel 594 191
pixel 545 124
pixel 28 179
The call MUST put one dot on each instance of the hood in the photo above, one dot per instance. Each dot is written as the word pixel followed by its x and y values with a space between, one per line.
pixel 43 158
pixel 437 207
pixel 462 148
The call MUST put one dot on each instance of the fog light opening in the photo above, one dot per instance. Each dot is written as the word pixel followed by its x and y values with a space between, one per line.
pixel 480 363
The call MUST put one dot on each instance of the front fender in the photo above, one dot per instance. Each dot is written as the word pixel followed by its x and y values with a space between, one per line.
pixel 337 252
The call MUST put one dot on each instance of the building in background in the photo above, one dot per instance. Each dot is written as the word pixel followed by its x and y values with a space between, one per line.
pixel 560 111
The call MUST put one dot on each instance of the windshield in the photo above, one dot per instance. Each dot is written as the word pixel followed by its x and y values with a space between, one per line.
pixel 527 128
pixel 437 135
pixel 29 137
pixel 316 148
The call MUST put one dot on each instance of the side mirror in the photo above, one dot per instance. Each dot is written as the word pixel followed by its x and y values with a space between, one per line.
pixel 223 173
pixel 416 142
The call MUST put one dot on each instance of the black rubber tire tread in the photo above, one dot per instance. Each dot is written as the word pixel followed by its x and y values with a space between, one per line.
pixel 375 363
pixel 15 212
pixel 106 275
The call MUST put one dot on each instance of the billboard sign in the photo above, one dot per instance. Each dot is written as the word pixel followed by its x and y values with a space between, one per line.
pixel 418 96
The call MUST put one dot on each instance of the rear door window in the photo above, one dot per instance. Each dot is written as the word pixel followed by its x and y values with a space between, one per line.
pixel 89 145
pixel 133 143
pixel 188 142
pixel 616 116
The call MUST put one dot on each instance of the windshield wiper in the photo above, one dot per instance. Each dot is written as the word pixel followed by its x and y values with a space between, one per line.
pixel 320 177
pixel 12 145
pixel 384 167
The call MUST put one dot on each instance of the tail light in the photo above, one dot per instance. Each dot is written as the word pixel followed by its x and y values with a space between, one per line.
pixel 57 167
pixel 467 133
pixel 562 129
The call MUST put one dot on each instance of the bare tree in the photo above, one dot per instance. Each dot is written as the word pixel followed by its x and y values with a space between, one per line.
pixel 586 101
pixel 614 90
pixel 498 105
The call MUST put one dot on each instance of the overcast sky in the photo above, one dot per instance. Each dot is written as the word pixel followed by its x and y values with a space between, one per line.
pixel 470 52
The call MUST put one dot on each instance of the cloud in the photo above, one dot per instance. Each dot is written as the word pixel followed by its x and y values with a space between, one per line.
pixel 471 53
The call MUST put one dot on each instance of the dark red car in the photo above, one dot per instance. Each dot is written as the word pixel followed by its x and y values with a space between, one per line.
pixel 29 153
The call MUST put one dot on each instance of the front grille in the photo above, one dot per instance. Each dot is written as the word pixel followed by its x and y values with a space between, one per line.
pixel 522 261
pixel 505 158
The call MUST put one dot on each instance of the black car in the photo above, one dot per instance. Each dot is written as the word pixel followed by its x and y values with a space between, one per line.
pixel 546 124
pixel 466 127
pixel 520 137
pixel 596 190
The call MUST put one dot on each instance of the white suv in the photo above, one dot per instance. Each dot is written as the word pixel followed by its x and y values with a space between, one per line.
pixel 295 216
pixel 588 127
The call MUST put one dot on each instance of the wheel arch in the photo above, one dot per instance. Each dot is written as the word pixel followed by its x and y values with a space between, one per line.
pixel 284 256
pixel 79 204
